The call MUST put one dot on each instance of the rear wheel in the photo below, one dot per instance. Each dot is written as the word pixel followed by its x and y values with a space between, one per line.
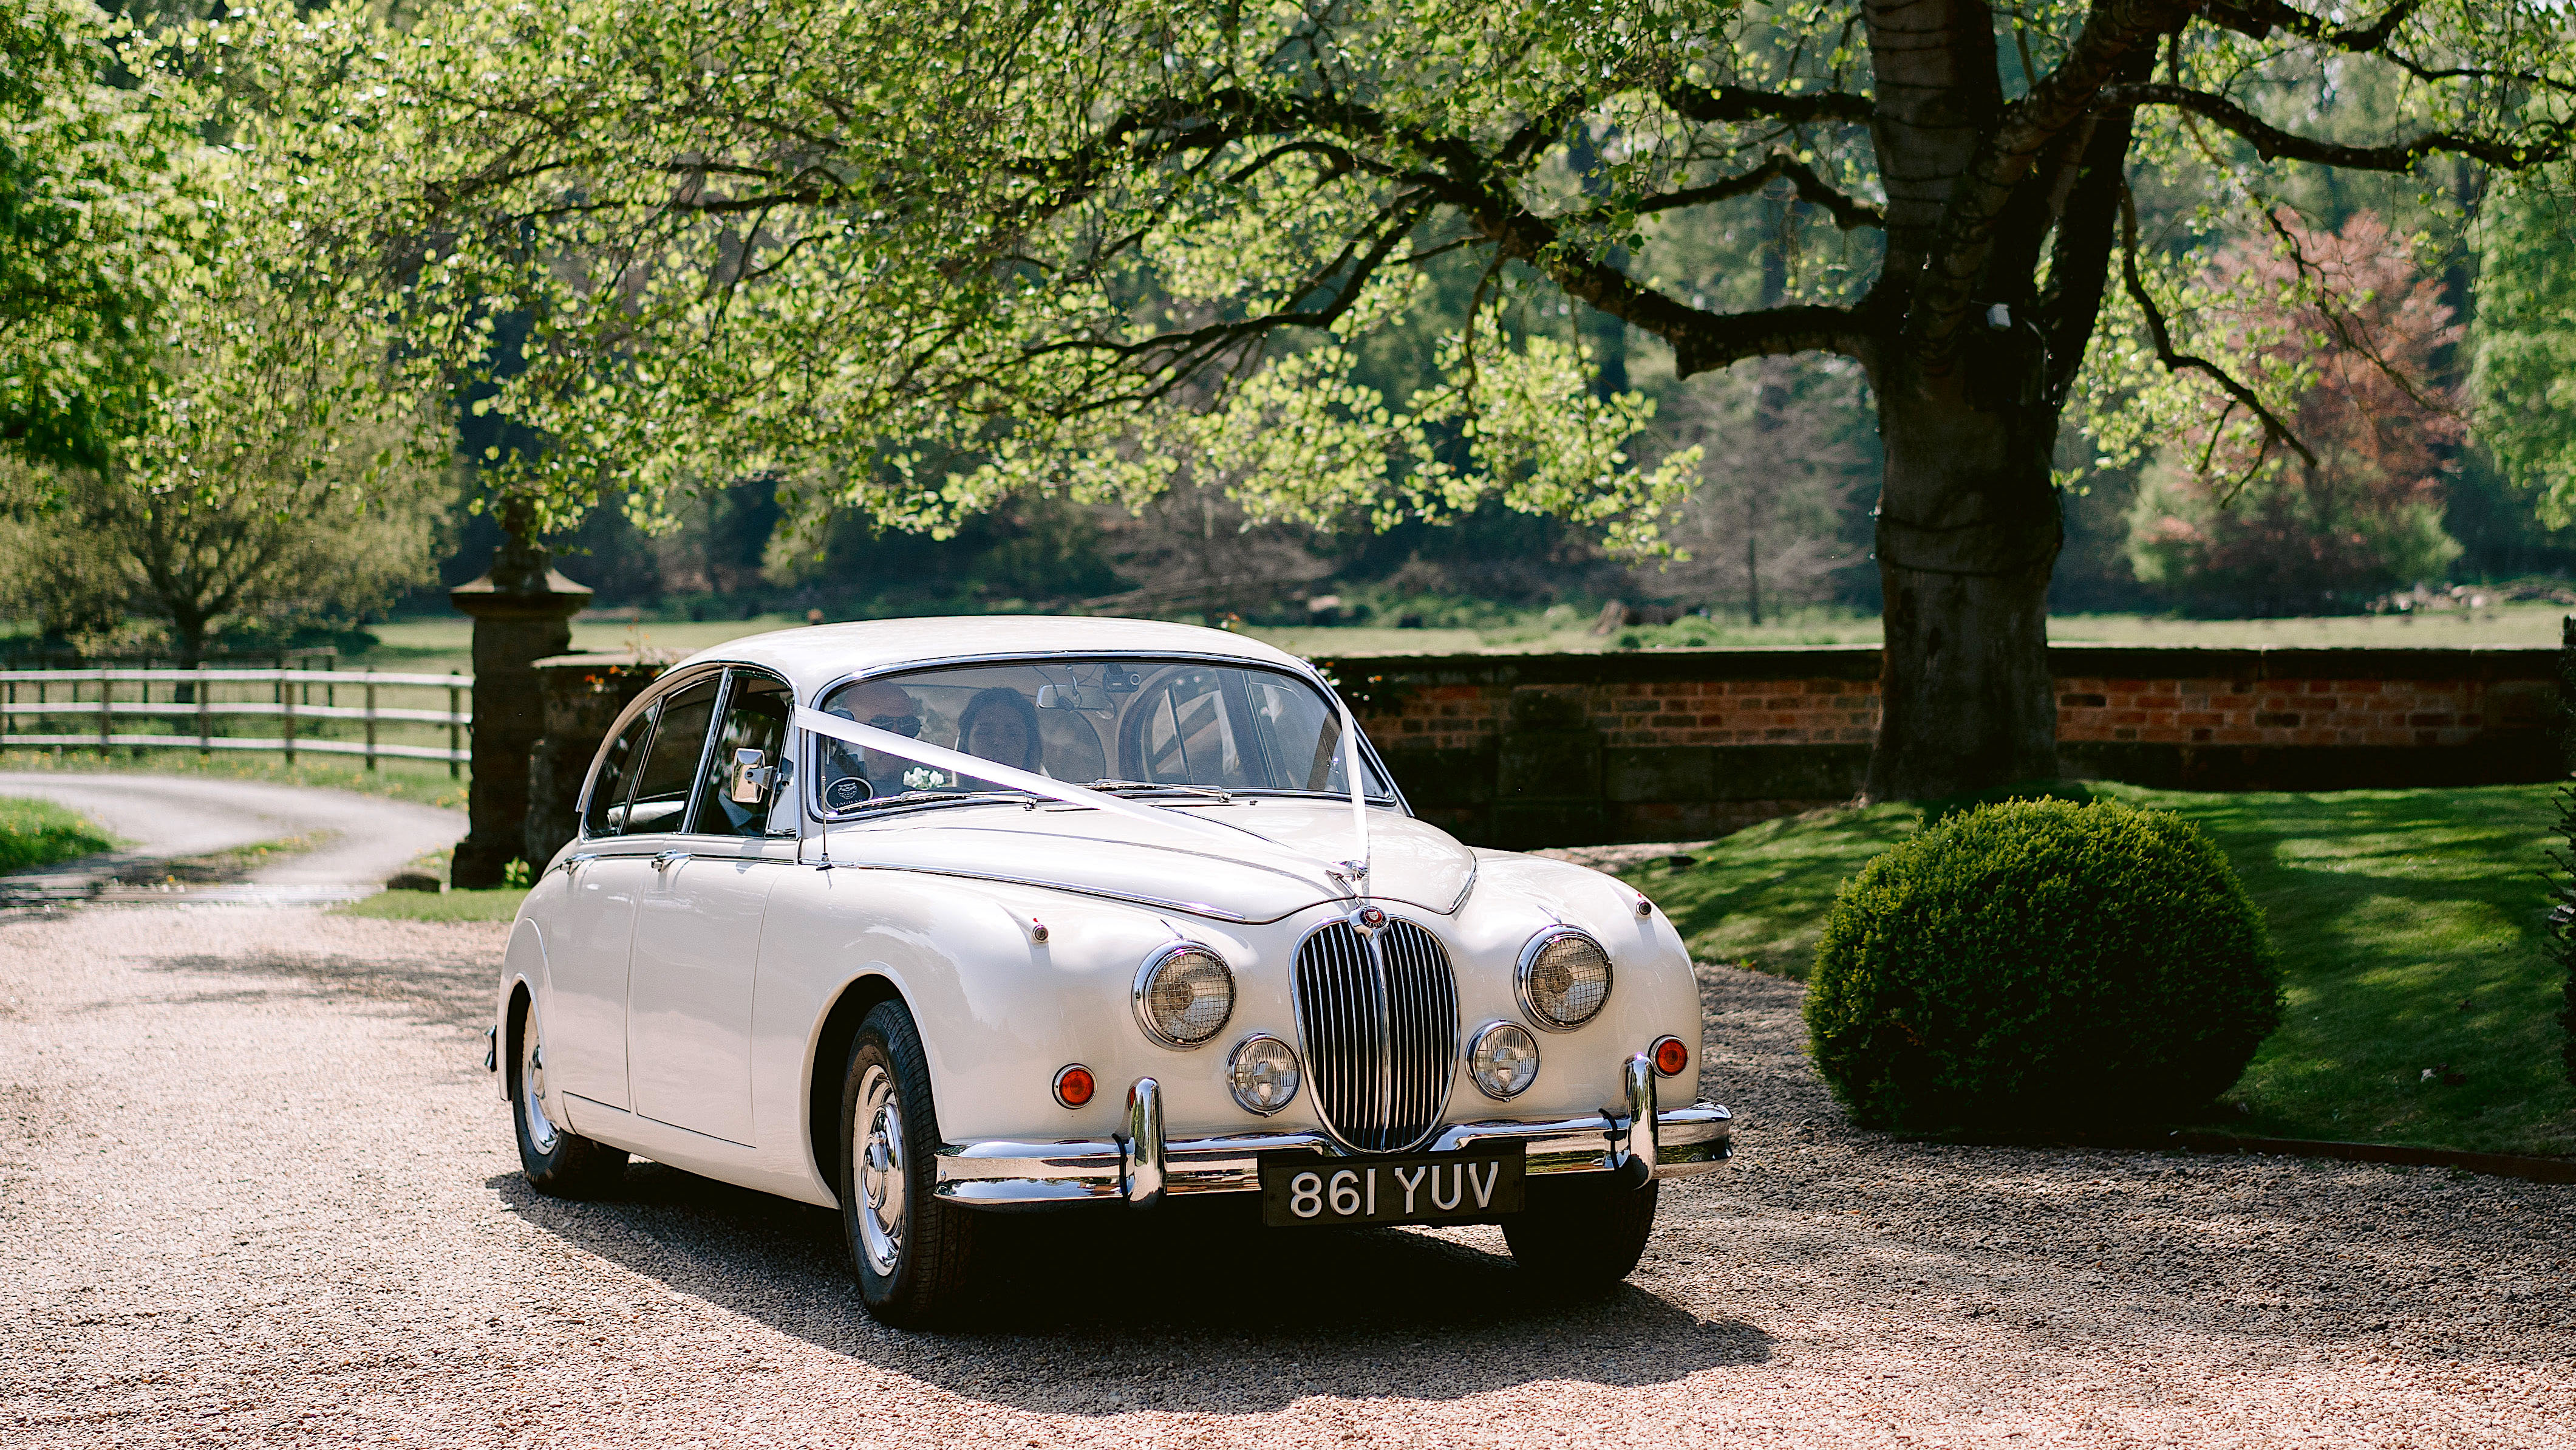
pixel 911 1250
pixel 1581 1230
pixel 557 1160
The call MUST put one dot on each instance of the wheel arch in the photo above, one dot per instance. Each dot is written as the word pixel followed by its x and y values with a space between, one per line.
pixel 832 1039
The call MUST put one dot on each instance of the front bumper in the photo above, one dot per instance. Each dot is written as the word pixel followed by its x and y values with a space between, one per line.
pixel 1141 1165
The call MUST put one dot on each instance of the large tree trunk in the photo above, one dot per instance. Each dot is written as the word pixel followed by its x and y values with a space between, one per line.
pixel 1968 531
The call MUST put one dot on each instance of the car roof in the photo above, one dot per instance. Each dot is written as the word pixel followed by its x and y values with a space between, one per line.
pixel 815 655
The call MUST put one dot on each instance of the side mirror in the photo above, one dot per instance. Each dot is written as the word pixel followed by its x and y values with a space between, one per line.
pixel 750 777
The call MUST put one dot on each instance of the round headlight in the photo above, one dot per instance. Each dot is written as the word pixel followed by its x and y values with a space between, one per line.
pixel 1184 995
pixel 1503 1060
pixel 1565 978
pixel 1264 1074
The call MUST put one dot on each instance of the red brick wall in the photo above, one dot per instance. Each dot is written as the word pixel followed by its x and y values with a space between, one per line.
pixel 2298 712
pixel 1845 712
pixel 1680 712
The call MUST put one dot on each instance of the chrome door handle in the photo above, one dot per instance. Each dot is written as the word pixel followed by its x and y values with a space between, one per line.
pixel 572 864
pixel 669 859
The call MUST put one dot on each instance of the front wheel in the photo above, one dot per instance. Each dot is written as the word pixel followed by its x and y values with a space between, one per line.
pixel 557 1160
pixel 1581 1231
pixel 910 1249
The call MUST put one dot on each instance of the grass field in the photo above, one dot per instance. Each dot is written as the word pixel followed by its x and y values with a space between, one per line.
pixel 426 782
pixel 35 834
pixel 498 904
pixel 2410 924
pixel 437 644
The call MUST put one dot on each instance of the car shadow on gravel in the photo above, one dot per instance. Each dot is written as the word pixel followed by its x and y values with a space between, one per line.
pixel 1194 1306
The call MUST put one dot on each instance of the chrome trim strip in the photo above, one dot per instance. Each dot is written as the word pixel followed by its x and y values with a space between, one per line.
pixel 1006 1175
pixel 1194 908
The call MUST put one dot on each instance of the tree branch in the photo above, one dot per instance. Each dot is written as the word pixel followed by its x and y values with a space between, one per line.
pixel 2259 18
pixel 2271 143
pixel 2274 430
pixel 1848 212
pixel 1983 193
pixel 1729 103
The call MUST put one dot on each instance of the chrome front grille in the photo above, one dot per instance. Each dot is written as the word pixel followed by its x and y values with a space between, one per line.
pixel 1380 1017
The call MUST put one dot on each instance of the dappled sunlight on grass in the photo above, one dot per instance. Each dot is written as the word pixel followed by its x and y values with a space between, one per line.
pixel 2410 925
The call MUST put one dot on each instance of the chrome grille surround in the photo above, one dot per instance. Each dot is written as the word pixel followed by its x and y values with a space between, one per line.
pixel 1379 1014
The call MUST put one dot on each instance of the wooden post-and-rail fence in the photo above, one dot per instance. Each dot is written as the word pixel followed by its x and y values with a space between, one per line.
pixel 189 700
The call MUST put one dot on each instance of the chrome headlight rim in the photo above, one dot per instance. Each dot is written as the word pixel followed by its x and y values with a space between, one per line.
pixel 1529 959
pixel 1476 1046
pixel 1153 966
pixel 1233 1073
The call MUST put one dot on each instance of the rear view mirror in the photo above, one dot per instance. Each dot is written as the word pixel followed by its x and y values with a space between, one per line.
pixel 1073 697
pixel 750 777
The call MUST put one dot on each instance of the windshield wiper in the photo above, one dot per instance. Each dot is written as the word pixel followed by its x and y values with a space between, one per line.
pixel 1121 787
pixel 942 797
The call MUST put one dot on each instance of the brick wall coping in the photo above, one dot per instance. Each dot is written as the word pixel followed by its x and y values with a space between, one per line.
pixel 1861 662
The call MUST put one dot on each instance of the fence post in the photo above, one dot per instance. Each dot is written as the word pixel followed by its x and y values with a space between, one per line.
pixel 371 717
pixel 205 716
pixel 455 706
pixel 106 720
pixel 286 703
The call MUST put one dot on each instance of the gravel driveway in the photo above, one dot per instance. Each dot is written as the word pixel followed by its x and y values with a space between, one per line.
pixel 351 839
pixel 254 1188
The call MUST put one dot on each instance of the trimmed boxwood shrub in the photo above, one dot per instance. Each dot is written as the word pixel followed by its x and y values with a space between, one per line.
pixel 2041 965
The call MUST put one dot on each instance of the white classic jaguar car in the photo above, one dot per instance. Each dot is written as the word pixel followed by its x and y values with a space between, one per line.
pixel 930 919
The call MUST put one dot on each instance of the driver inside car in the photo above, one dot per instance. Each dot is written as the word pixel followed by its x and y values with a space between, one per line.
pixel 854 774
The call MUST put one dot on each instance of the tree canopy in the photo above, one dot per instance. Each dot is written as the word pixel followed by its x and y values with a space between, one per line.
pixel 1006 242
pixel 100 223
pixel 906 259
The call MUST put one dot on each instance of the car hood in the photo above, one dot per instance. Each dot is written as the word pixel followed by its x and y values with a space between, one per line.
pixel 1278 871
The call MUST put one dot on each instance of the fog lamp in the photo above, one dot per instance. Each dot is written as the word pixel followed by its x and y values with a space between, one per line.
pixel 1503 1060
pixel 1264 1074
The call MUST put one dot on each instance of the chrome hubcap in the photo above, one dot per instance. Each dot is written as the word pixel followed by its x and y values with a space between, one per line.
pixel 542 1133
pixel 880 1172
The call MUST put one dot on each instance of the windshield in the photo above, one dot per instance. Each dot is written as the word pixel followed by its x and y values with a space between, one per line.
pixel 1139 726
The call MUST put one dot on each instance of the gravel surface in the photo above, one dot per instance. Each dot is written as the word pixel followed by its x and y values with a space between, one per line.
pixel 254 1188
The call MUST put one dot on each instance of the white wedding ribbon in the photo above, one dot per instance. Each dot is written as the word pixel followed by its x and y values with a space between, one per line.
pixel 1359 862
pixel 904 747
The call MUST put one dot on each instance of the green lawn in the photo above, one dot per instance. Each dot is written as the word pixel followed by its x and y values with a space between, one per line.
pixel 34 834
pixel 424 781
pixel 501 903
pixel 2410 923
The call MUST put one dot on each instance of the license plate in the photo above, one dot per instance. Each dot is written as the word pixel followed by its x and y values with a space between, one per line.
pixel 1300 1188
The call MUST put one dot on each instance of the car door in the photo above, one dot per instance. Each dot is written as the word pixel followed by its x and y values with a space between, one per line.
pixel 624 841
pixel 583 1019
pixel 697 936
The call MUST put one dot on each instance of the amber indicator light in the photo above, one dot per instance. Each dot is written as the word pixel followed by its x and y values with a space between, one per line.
pixel 1671 1057
pixel 1073 1086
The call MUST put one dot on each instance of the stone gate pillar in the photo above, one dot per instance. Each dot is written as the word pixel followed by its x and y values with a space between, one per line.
pixel 522 613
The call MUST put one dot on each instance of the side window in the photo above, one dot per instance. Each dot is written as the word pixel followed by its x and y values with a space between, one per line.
pixel 607 814
pixel 741 779
pixel 671 767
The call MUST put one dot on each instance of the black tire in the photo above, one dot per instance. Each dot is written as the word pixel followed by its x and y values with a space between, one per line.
pixel 1581 1231
pixel 913 1263
pixel 558 1161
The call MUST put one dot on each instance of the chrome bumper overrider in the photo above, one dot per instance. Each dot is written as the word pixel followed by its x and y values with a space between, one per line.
pixel 1141 1165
